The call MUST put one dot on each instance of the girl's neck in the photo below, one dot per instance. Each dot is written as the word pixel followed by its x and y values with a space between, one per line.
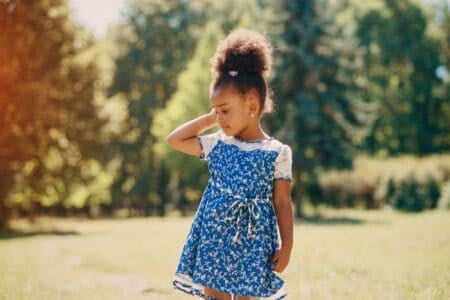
pixel 251 134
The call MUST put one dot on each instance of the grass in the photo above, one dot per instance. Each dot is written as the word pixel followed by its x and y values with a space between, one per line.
pixel 346 254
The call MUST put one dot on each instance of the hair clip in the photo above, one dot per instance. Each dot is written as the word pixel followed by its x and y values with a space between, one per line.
pixel 233 73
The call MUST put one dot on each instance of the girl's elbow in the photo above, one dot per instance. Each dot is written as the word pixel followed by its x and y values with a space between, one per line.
pixel 171 140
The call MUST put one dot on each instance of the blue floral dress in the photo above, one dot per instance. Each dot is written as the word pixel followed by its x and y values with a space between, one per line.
pixel 234 232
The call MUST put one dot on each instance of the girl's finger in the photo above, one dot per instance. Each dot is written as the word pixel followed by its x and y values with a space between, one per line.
pixel 274 258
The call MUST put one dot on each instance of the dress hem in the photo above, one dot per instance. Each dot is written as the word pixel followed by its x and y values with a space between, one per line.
pixel 186 284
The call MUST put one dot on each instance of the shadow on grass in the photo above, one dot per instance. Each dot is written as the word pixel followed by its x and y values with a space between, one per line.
pixel 156 292
pixel 322 220
pixel 13 234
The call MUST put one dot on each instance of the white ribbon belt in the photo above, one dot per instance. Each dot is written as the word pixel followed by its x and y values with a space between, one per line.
pixel 237 209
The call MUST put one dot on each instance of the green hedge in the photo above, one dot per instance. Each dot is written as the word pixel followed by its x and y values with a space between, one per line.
pixel 407 183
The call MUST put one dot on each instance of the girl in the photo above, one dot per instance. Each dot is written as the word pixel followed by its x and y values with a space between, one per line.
pixel 232 248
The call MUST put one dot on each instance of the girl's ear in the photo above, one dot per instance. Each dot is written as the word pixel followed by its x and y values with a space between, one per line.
pixel 253 103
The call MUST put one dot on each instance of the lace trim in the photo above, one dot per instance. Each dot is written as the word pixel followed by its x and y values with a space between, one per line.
pixel 283 163
pixel 259 142
pixel 184 283
pixel 209 140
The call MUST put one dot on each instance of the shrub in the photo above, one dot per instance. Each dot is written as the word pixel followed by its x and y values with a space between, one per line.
pixel 406 182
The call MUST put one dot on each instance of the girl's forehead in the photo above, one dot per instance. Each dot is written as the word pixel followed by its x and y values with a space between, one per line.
pixel 225 95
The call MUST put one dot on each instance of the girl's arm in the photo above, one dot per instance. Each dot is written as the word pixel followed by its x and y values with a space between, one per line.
pixel 184 137
pixel 283 209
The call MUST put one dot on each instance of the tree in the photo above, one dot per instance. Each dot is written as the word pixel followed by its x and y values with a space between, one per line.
pixel 156 44
pixel 49 120
pixel 401 61
pixel 315 94
pixel 189 101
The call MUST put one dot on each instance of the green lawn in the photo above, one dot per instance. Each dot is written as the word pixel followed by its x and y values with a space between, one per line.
pixel 349 254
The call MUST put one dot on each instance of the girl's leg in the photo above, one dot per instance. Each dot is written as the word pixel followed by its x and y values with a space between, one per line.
pixel 224 296
pixel 219 295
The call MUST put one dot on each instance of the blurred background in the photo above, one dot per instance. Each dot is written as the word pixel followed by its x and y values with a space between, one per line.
pixel 89 91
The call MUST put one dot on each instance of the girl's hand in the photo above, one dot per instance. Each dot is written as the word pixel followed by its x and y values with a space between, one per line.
pixel 184 138
pixel 281 259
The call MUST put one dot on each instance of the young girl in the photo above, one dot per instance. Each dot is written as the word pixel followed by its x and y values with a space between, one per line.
pixel 232 249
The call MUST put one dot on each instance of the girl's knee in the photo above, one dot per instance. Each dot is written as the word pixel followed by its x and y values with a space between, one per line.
pixel 219 295
pixel 216 295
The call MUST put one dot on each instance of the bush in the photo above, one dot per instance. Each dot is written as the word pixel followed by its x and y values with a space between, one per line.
pixel 346 189
pixel 409 195
pixel 408 183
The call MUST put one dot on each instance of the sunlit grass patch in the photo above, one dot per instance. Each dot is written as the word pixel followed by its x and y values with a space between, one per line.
pixel 345 254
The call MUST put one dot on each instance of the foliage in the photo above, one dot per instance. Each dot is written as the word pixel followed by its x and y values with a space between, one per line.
pixel 400 70
pixel 407 183
pixel 232 14
pixel 49 118
pixel 189 101
pixel 323 118
pixel 83 122
pixel 156 42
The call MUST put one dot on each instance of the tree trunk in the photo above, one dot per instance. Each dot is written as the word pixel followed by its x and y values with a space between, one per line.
pixel 298 194
pixel 4 215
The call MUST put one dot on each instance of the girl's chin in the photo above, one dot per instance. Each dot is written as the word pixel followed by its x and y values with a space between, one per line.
pixel 227 131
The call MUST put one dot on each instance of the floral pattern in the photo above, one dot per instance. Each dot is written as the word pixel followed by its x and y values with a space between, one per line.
pixel 234 231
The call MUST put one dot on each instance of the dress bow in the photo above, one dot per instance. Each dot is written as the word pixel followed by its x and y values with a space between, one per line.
pixel 236 211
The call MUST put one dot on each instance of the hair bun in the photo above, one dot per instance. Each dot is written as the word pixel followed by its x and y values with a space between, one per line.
pixel 243 51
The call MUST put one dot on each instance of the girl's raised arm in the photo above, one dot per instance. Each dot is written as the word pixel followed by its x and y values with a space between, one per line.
pixel 184 137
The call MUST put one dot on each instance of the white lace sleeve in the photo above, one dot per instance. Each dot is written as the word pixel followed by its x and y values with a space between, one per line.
pixel 207 142
pixel 283 164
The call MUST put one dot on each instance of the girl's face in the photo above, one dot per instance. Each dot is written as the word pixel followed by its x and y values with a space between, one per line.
pixel 233 110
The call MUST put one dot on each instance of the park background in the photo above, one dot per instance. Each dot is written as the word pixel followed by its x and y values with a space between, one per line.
pixel 95 205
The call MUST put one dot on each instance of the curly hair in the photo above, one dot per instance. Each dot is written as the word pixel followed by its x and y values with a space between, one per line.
pixel 244 59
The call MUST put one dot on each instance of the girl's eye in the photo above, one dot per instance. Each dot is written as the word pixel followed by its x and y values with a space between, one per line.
pixel 224 111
